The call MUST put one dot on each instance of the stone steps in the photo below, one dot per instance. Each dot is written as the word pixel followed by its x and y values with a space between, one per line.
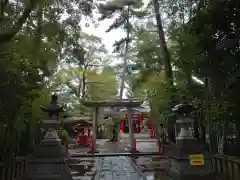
pixel 82 168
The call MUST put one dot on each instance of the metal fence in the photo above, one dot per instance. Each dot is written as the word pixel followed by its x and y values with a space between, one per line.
pixel 14 170
pixel 227 166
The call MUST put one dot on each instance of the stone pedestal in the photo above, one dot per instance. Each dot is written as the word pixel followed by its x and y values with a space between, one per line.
pixel 49 161
pixel 50 146
pixel 181 168
pixel 186 145
pixel 55 124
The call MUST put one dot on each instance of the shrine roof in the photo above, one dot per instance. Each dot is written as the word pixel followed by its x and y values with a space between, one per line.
pixel 119 103
pixel 77 119
pixel 140 109
pixel 144 110
pixel 84 123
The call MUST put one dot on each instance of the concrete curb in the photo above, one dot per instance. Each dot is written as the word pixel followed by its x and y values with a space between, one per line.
pixel 99 167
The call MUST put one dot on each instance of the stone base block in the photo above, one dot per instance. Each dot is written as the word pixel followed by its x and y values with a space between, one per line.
pixel 48 171
pixel 49 151
pixel 181 175
pixel 189 146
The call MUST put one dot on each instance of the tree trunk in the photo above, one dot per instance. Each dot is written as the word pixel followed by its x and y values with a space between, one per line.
pixel 125 59
pixel 196 131
pixel 3 5
pixel 207 113
pixel 237 123
pixel 162 42
pixel 83 86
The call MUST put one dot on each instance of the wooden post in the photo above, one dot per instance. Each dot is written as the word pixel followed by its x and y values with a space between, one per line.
pixel 9 173
pixel 141 121
pixel 13 171
pixel 124 128
pixel 66 146
pixel 130 126
pixel 134 145
pixel 88 132
pixel 23 167
pixel 3 172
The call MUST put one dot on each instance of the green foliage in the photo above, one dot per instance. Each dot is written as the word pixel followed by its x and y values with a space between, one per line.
pixel 31 40
pixel 86 84
pixel 106 86
pixel 126 11
pixel 112 125
pixel 63 135
pixel 41 52
pixel 202 44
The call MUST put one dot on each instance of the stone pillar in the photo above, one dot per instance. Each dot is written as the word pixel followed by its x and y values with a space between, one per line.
pixel 130 126
pixel 170 128
pixel 94 127
pixel 66 146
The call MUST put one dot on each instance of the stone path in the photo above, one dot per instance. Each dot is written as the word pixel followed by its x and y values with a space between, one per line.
pixel 116 168
pixel 107 168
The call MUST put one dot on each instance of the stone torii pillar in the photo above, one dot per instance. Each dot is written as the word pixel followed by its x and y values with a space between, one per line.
pixel 96 119
pixel 130 126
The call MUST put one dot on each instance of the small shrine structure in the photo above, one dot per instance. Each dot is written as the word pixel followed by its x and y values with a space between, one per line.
pixel 82 128
pixel 95 105
pixel 138 115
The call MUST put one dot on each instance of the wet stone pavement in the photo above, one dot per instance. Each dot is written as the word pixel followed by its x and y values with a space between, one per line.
pixel 83 168
pixel 102 168
pixel 116 168
pixel 153 167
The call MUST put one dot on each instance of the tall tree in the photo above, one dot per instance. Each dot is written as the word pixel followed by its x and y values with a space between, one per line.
pixel 126 11
pixel 86 76
pixel 31 38
pixel 163 44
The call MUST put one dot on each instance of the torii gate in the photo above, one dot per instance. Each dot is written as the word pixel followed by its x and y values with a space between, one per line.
pixel 129 104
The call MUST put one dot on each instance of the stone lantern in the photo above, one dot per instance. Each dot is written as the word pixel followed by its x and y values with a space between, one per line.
pixel 49 160
pixel 190 159
pixel 53 123
pixel 184 124
pixel 53 109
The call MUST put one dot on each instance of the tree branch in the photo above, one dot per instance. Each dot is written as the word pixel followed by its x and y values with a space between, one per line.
pixel 7 36
pixel 200 5
pixel 73 89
